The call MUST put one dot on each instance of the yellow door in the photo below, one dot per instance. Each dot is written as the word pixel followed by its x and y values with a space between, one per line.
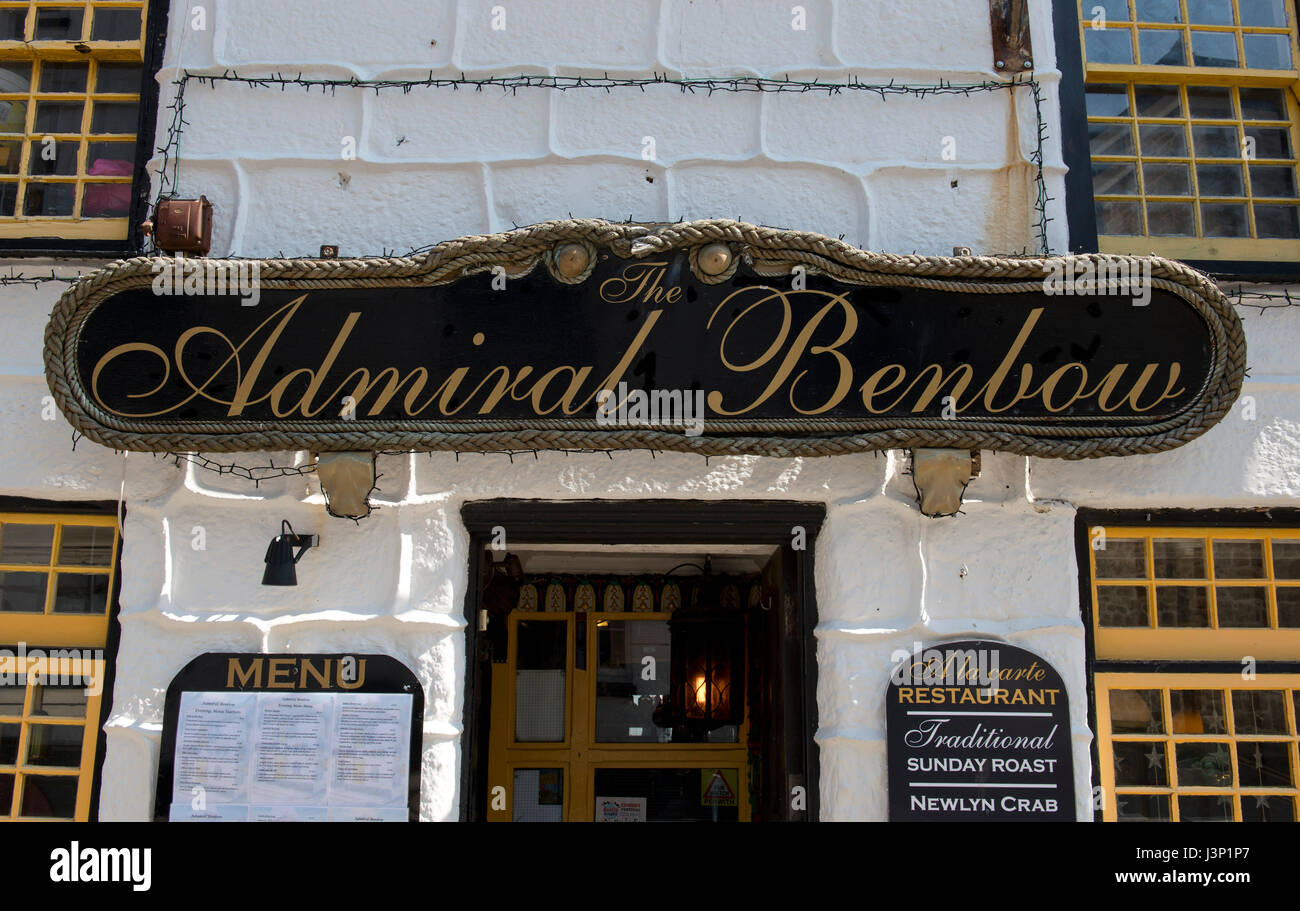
pixel 573 731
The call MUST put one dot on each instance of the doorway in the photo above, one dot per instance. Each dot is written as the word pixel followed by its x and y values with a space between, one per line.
pixel 569 712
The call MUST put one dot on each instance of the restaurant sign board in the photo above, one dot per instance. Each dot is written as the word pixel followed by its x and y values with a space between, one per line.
pixel 978 730
pixel 712 337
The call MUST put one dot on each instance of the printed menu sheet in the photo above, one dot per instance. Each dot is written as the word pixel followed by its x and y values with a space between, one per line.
pixel 292 757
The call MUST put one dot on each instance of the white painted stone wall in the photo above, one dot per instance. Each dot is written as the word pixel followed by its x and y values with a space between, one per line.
pixel 435 164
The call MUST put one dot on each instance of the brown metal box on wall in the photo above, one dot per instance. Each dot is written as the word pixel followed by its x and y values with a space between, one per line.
pixel 183 225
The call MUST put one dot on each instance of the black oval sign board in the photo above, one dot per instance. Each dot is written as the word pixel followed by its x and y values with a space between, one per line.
pixel 712 337
pixel 978 731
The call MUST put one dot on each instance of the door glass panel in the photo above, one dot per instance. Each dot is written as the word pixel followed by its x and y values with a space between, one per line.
pixel 632 681
pixel 688 795
pixel 540 681
pixel 538 795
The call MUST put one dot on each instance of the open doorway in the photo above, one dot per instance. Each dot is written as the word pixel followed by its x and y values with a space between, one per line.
pixel 581 699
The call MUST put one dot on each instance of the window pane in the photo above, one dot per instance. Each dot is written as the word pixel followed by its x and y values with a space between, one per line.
pixel 1270 142
pixel 1288 607
pixel 1242 607
pixel 9 744
pixel 1122 605
pixel 1142 808
pixel 1136 712
pixel 1171 219
pixel 86 545
pixel 1262 764
pixel 27 544
pixel 540 681
pixel 115 25
pixel 63 77
pixel 110 159
pixel 1214 49
pixel 1259 712
pixel 1116 10
pixel 1204 765
pixel 1198 712
pixel 1110 139
pixel 1161 46
pixel 667 794
pixel 1168 180
pixel 1216 142
pixel 1204 808
pixel 1182 605
pixel 1157 101
pixel 1124 559
pixel 1286 559
pixel 1239 560
pixel 55 745
pixel 1263 104
pixel 13 116
pixel 1108 45
pixel 1273 179
pixel 12 695
pixel 1118 217
pixel 47 795
pixel 1140 762
pixel 625 703
pixel 1277 221
pixel 58 156
pixel 118 77
pixel 10 157
pixel 8 197
pixel 58 116
pixel 1163 141
pixel 58 23
pixel 1267 13
pixel 1107 100
pixel 1209 12
pixel 81 593
pixel 1220 180
pixel 114 117
pixel 60 701
pixel 55 199
pixel 1267 808
pixel 1114 179
pixel 23 592
pixel 1178 558
pixel 538 795
pixel 106 200
pixel 12 24
pixel 1210 102
pixel 1224 220
pixel 1267 52
pixel 1158 11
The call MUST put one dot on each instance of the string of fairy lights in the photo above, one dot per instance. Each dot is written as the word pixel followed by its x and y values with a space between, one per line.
pixel 169 152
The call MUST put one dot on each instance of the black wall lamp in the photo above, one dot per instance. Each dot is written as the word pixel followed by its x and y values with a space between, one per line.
pixel 708 661
pixel 280 558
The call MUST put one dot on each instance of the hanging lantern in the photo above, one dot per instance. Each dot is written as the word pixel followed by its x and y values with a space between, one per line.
pixel 708 661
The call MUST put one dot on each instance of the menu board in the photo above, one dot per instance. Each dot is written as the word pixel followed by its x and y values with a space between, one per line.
pixel 291 738
pixel 978 730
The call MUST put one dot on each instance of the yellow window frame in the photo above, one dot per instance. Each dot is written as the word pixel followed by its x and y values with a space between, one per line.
pixel 1165 683
pixel 48 627
pixel 1197 248
pixel 579 755
pixel 52 668
pixel 73 227
pixel 1213 643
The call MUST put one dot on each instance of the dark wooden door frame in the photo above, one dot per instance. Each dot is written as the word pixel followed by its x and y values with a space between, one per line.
pixel 664 521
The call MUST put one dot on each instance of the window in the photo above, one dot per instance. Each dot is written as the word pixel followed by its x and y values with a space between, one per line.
pixel 1192 120
pixel 70 104
pixel 56 583
pixel 1181 619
